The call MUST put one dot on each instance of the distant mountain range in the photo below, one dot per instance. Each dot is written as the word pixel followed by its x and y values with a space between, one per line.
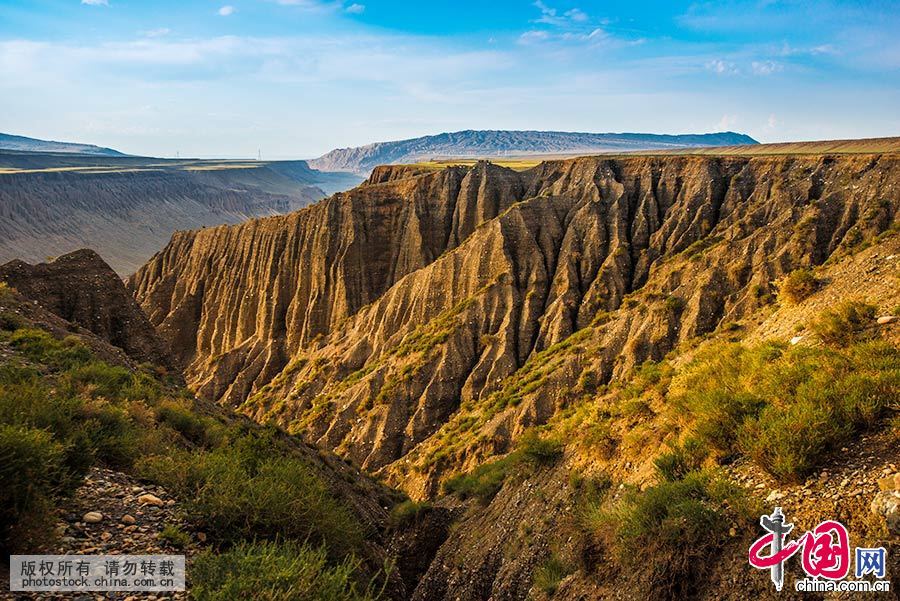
pixel 494 143
pixel 21 143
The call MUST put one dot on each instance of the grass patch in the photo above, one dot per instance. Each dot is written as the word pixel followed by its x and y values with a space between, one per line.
pixel 408 512
pixel 174 537
pixel 487 479
pixel 62 411
pixel 251 487
pixel 681 460
pixel 550 573
pixel 799 285
pixel 848 322
pixel 33 470
pixel 785 407
pixel 293 571
pixel 667 535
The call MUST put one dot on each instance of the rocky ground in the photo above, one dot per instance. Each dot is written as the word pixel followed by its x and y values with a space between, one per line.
pixel 114 514
pixel 860 488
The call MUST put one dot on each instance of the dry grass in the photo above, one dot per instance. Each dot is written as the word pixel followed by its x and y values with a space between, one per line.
pixel 223 166
pixel 106 169
pixel 861 146
pixel 511 163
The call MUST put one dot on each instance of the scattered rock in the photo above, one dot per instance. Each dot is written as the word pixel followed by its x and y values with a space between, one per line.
pixel 128 520
pixel 887 505
pixel 796 339
pixel 889 483
pixel 148 499
pixel 886 319
pixel 92 517
pixel 775 495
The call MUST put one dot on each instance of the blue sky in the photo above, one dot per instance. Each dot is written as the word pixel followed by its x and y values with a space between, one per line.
pixel 295 78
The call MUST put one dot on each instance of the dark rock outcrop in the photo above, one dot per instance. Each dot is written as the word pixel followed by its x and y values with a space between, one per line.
pixel 80 288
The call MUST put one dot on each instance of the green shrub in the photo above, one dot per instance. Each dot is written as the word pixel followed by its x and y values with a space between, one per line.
pixel 845 324
pixel 100 379
pixel 33 473
pixel 249 489
pixel 799 285
pixel 275 572
pixel 40 347
pixel 668 534
pixel 786 408
pixel 183 420
pixel 681 460
pixel 10 321
pixel 844 394
pixel 542 451
pixel 487 479
pixel 483 482
pixel 719 414
pixel 408 512
pixel 651 375
pixel 550 573
pixel 674 304
pixel 174 537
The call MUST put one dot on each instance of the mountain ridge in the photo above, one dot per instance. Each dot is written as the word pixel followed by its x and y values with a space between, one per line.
pixel 493 143
pixel 26 144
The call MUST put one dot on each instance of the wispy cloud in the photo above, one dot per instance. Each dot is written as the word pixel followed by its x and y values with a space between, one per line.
pixel 356 9
pixel 572 26
pixel 226 11
pixel 95 2
pixel 722 67
pixel 156 33
pixel 765 67
pixel 551 16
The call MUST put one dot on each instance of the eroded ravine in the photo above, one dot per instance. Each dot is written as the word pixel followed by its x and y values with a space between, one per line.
pixel 394 323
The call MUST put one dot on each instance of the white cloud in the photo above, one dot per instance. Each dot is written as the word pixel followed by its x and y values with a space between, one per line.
pixel 727 122
pixel 765 67
pixel 573 26
pixel 533 37
pixel 577 15
pixel 722 67
pixel 771 122
pixel 156 33
pixel 226 10
pixel 95 2
pixel 356 9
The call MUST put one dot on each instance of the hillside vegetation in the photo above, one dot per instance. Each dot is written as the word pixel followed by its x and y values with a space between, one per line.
pixel 256 492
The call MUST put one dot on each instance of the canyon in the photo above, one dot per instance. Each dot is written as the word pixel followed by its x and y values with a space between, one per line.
pixel 490 368
pixel 424 320
pixel 126 208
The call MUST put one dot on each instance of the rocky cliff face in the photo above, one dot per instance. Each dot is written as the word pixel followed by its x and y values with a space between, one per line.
pixel 83 290
pixel 422 321
pixel 127 210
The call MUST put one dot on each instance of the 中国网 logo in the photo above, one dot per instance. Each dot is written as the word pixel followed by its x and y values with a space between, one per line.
pixel 825 557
